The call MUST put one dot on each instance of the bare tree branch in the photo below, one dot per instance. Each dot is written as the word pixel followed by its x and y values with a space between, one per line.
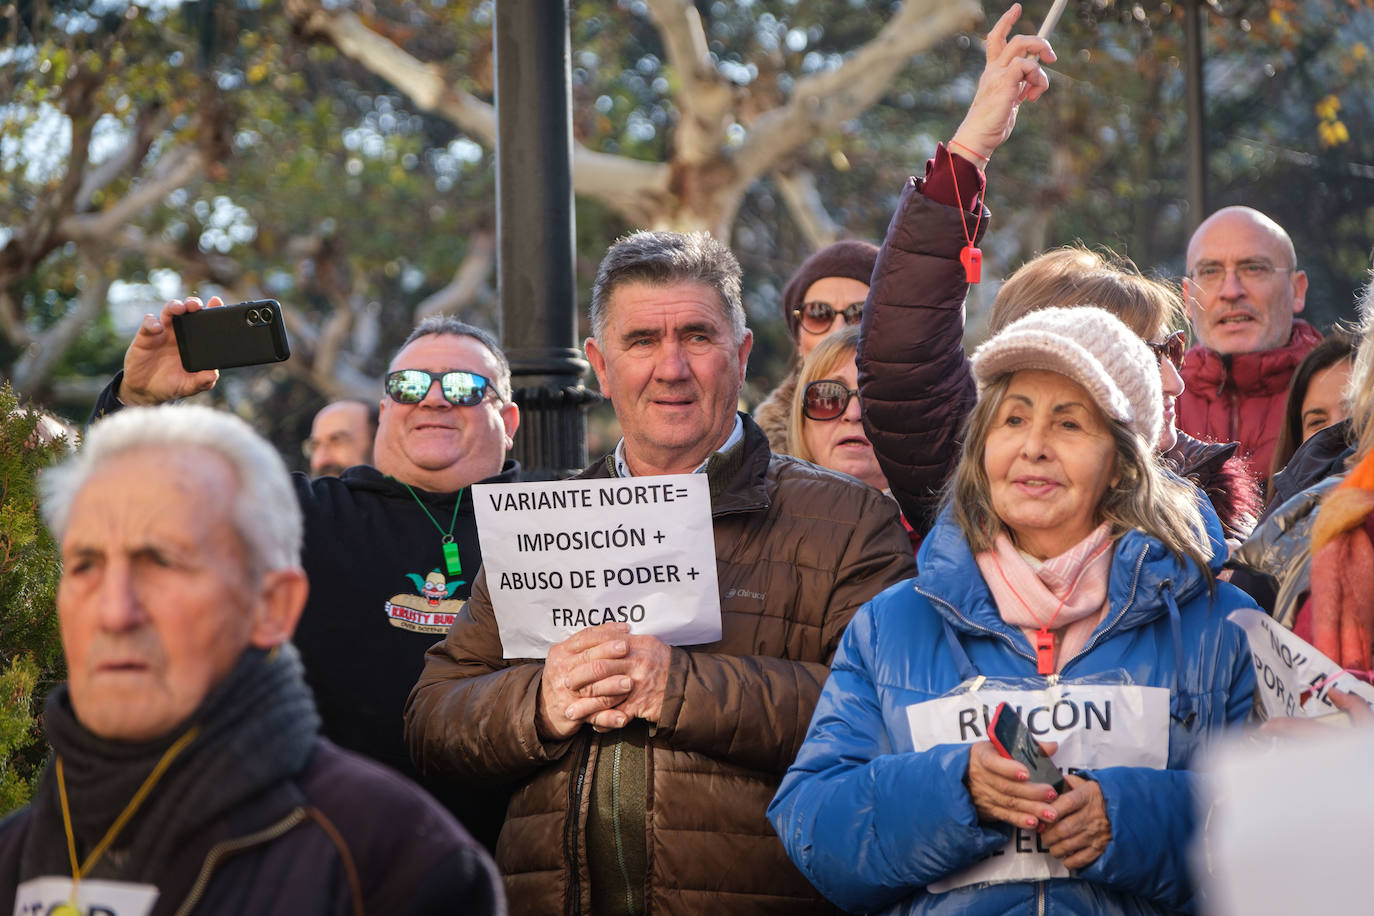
pixel 633 188
pixel 33 368
pixel 423 82
pixel 11 321
pixel 192 264
pixel 175 170
pixel 637 190
pixel 150 123
pixel 35 239
pixel 803 199
pixel 705 98
pixel 467 281
pixel 80 109
pixel 823 101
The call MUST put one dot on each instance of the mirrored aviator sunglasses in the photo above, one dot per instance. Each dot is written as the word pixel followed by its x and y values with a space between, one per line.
pixel 461 389
pixel 1172 349
pixel 826 399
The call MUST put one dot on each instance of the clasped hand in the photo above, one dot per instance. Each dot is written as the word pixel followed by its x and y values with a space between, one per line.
pixel 1074 826
pixel 604 676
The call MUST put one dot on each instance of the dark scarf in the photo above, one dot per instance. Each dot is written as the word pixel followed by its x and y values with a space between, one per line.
pixel 257 727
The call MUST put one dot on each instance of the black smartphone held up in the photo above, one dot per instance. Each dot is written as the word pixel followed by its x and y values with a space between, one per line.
pixel 246 334
pixel 1013 740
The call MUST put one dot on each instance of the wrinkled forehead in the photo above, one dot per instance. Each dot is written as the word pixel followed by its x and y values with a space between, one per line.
pixel 640 305
pixel 187 490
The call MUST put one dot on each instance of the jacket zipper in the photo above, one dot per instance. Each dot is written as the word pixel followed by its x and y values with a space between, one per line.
pixel 976 626
pixel 217 852
pixel 1235 414
pixel 1053 678
pixel 1130 600
pixel 570 838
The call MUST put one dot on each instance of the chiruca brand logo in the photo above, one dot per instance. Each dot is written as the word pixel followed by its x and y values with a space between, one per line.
pixel 744 593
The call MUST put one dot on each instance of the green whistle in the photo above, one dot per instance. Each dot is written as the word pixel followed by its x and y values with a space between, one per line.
pixel 452 560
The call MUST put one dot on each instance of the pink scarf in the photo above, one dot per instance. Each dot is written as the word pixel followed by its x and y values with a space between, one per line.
pixel 1067 593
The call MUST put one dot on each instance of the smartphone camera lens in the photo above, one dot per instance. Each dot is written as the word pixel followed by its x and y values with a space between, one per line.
pixel 253 317
pixel 266 315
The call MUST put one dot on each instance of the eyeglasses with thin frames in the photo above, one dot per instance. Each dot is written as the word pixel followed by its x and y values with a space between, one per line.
pixel 1209 277
pixel 826 399
pixel 817 317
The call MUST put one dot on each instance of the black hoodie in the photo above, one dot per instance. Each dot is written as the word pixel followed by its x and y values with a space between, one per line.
pixel 380 595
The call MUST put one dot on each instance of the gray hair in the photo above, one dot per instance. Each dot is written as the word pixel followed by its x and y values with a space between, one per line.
pixel 1144 497
pixel 447 324
pixel 265 512
pixel 664 258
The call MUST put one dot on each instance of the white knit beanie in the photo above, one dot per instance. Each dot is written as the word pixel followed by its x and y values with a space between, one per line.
pixel 1091 346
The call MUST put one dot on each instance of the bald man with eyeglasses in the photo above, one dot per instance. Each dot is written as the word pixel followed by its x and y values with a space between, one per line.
pixel 1243 291
pixel 391 548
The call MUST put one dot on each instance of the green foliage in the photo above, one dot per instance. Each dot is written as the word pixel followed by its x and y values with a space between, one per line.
pixel 20 741
pixel 30 649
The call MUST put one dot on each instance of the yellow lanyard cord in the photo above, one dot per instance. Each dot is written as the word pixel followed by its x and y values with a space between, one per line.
pixel 124 816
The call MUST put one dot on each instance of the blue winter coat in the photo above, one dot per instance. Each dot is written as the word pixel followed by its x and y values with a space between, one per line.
pixel 871 821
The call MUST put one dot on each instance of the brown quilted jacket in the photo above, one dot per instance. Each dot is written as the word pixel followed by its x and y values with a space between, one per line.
pixel 798 549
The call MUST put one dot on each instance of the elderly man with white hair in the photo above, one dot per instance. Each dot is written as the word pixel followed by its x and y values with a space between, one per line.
pixel 188 774
pixel 391 548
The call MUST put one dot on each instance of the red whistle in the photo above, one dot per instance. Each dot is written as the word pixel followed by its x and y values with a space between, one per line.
pixel 972 259
pixel 1044 643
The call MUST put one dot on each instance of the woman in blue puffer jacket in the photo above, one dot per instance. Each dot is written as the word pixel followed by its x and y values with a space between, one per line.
pixel 1072 579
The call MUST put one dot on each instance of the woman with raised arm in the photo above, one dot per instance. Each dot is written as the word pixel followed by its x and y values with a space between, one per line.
pixel 913 375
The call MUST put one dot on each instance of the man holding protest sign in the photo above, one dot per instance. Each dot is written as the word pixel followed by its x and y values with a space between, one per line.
pixel 659 804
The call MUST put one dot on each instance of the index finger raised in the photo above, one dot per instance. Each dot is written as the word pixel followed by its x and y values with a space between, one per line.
pixel 997 37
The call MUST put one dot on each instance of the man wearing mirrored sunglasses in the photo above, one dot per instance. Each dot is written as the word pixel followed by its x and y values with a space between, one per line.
pixel 646 768
pixel 1243 291
pixel 391 549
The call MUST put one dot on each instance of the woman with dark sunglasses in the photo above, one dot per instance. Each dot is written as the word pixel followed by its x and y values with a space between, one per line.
pixel 824 296
pixel 914 376
pixel 826 423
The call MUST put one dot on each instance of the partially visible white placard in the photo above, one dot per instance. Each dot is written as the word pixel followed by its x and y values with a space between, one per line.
pixel 40 896
pixel 1096 725
pixel 563 555
pixel 1294 678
